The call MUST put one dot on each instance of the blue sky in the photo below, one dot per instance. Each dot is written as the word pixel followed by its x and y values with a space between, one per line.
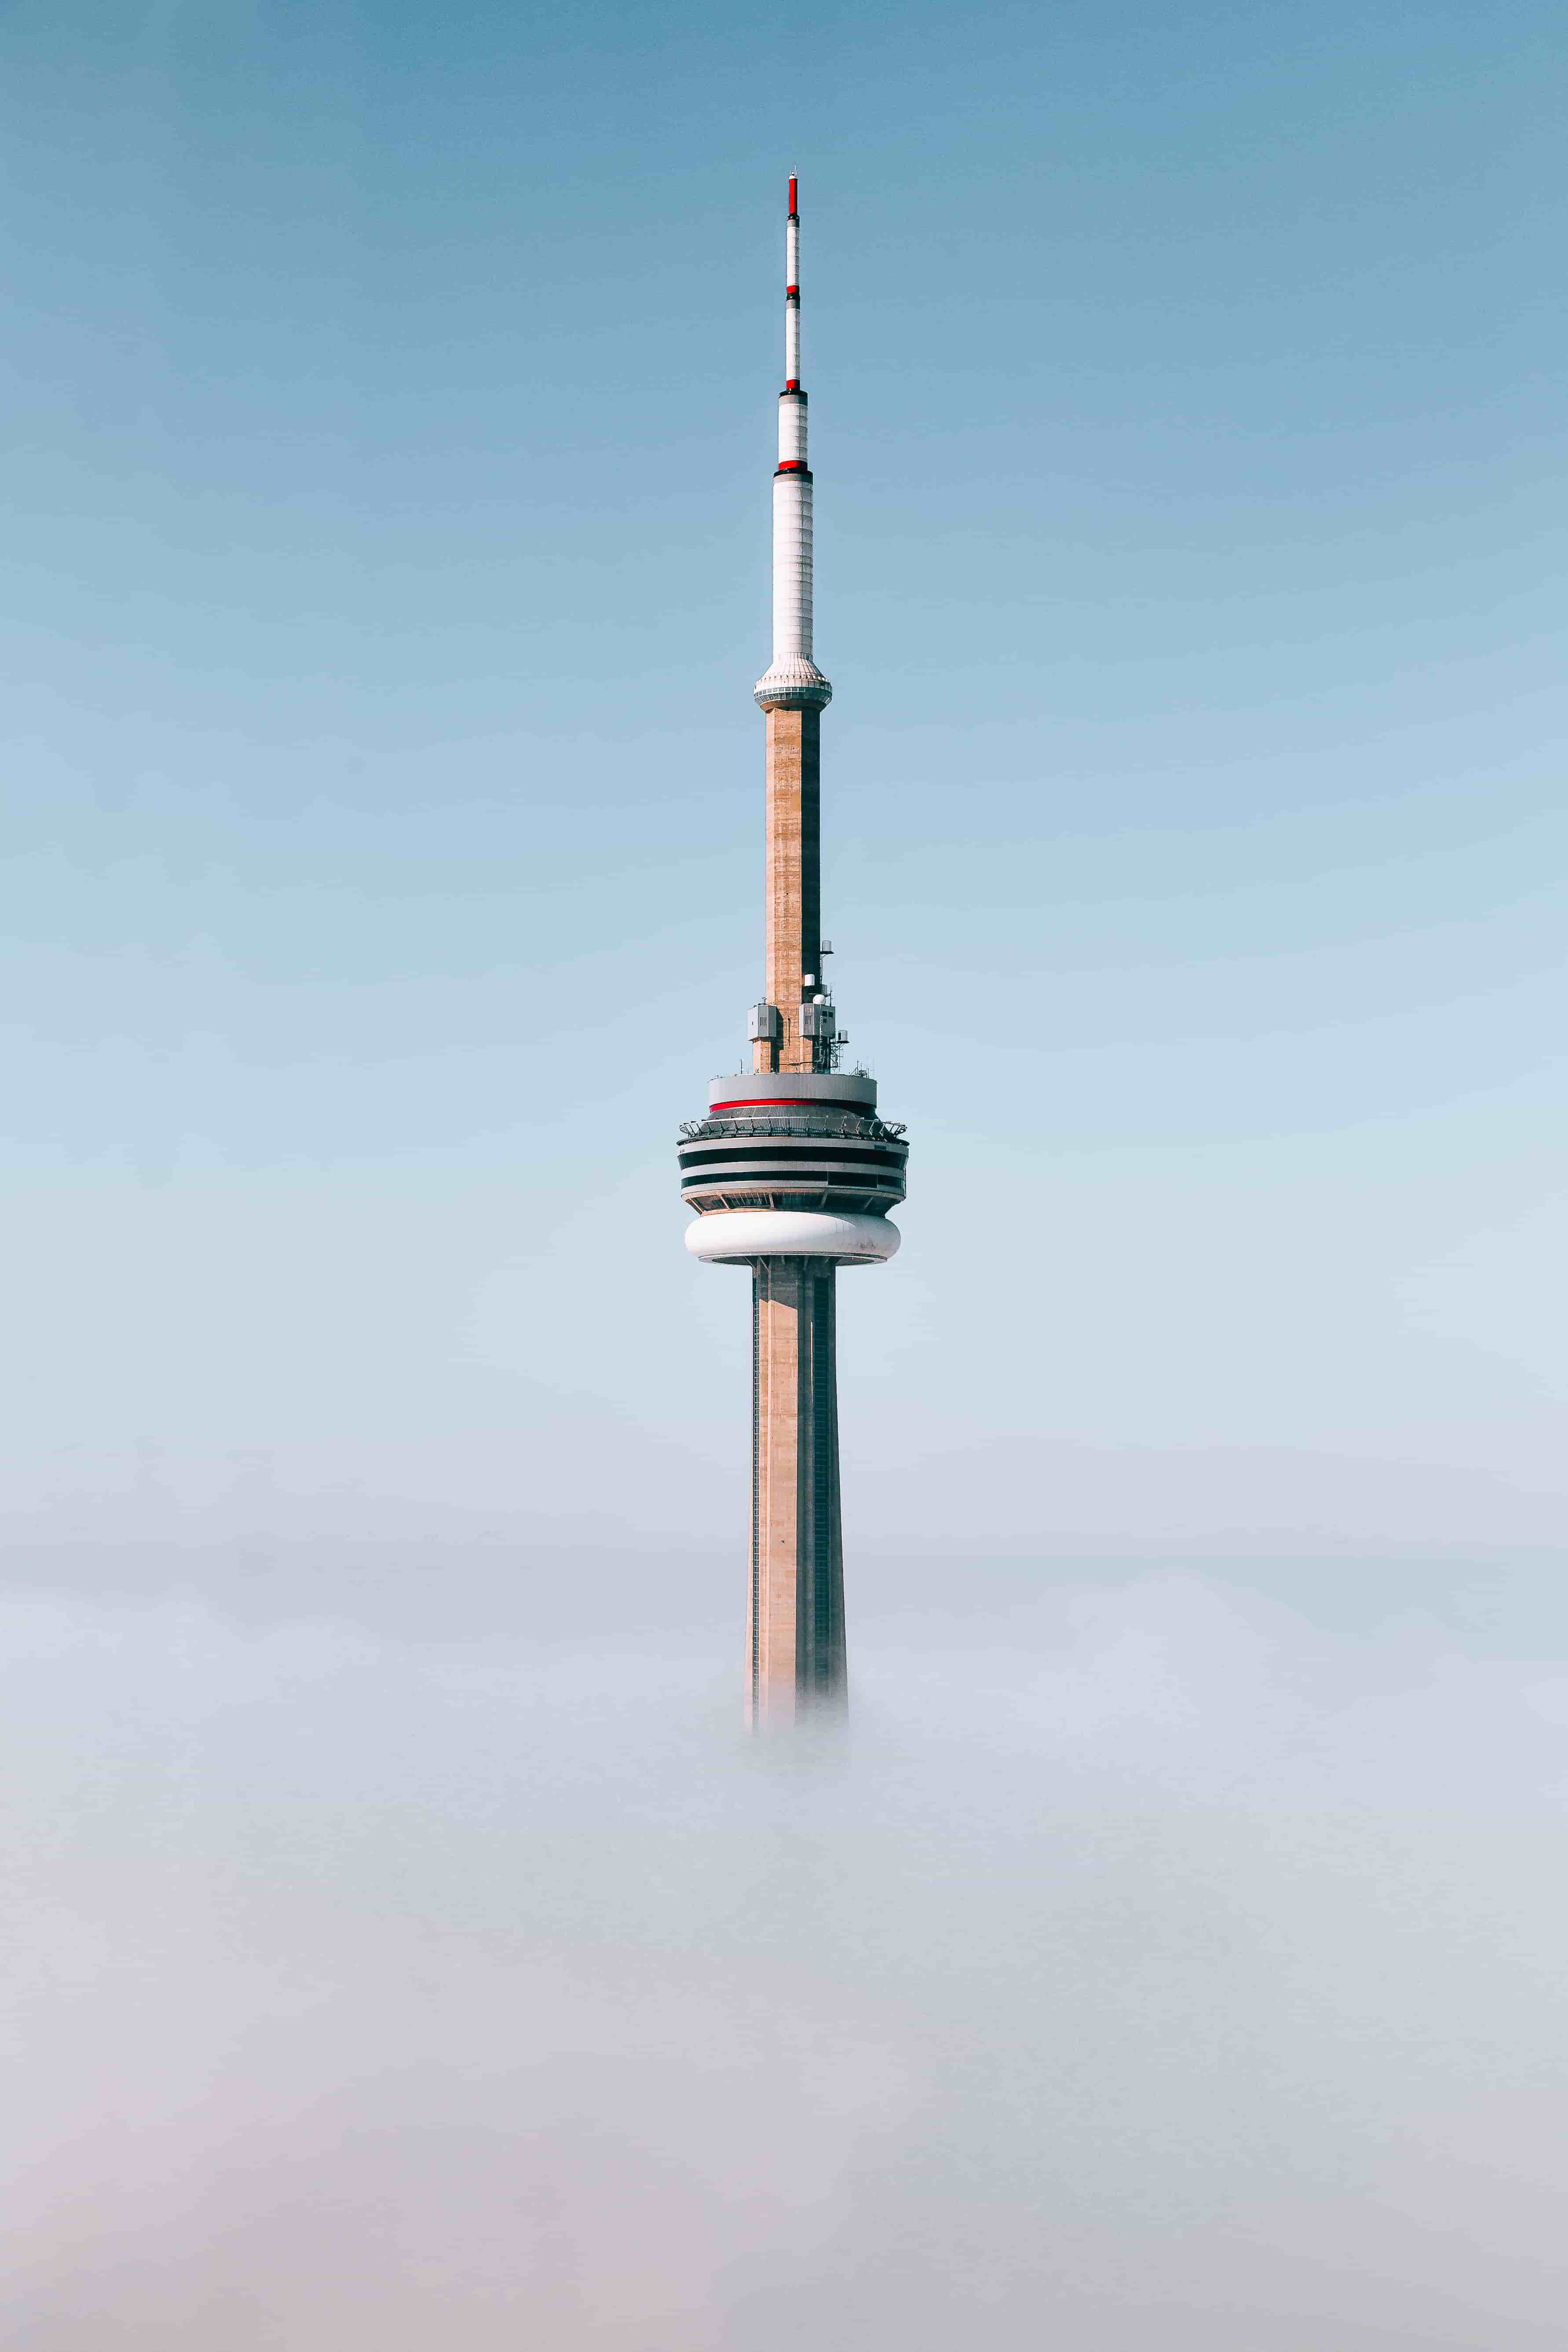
pixel 406 1942
pixel 388 400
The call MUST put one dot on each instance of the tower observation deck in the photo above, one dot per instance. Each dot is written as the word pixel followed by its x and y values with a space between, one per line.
pixel 792 1171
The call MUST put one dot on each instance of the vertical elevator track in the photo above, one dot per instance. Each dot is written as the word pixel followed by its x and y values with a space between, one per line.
pixel 756 1473
pixel 824 1483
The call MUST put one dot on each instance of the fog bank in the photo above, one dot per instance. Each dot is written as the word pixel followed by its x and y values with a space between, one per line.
pixel 1162 1958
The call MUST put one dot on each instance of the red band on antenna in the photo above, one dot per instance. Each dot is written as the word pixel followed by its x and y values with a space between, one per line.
pixel 793 205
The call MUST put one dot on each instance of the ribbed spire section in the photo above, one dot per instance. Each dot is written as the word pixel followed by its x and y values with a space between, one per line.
pixel 792 682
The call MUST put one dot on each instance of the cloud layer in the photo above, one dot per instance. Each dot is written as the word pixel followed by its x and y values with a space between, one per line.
pixel 1160 1958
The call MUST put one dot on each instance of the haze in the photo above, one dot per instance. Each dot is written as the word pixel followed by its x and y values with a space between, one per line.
pixel 407 1941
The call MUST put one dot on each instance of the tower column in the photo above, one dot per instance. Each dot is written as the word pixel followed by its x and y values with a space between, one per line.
pixel 796 1630
pixel 793 1172
pixel 794 884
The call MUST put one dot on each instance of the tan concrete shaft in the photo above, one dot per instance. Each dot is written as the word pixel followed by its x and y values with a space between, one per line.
pixel 795 1656
pixel 793 879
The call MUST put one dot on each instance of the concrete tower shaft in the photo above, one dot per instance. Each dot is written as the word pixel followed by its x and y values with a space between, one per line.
pixel 794 1633
pixel 793 886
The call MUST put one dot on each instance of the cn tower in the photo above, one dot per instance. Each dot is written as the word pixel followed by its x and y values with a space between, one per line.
pixel 792 1173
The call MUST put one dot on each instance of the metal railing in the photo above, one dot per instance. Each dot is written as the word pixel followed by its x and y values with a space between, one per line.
pixel 809 1122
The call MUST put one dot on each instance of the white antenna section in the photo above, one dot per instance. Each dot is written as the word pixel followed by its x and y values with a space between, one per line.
pixel 792 681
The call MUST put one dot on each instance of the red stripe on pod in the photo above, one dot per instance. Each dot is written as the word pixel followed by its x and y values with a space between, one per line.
pixel 792 383
pixel 794 291
pixel 790 466
pixel 774 1102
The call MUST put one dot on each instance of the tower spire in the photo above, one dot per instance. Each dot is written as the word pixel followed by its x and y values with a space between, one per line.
pixel 792 682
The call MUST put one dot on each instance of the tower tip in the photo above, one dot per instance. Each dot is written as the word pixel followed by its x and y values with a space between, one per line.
pixel 794 206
